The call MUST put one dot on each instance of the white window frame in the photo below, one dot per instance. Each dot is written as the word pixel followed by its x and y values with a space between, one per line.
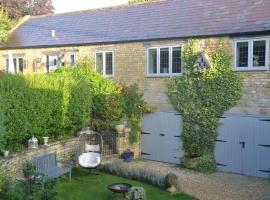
pixel 158 74
pixel 104 62
pixel 250 66
pixel 16 67
pixel 54 67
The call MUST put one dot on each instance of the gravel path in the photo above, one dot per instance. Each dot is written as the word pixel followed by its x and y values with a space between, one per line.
pixel 216 186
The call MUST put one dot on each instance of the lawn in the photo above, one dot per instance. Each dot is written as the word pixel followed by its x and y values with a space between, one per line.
pixel 82 190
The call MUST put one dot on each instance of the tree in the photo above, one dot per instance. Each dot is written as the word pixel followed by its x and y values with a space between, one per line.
pixel 20 8
pixel 5 26
pixel 131 2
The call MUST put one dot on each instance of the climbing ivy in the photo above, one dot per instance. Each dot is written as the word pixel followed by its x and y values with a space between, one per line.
pixel 202 96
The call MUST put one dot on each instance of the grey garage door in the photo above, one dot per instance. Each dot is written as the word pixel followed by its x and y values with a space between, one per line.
pixel 160 137
pixel 243 143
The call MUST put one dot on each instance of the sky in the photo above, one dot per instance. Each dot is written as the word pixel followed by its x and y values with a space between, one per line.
pixel 73 5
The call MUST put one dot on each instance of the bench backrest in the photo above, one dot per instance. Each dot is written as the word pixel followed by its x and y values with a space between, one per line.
pixel 44 162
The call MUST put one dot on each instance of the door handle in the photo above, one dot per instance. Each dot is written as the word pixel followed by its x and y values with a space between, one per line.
pixel 243 144
pixel 162 135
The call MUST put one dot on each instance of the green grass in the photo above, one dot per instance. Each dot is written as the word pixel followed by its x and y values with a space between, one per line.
pixel 82 190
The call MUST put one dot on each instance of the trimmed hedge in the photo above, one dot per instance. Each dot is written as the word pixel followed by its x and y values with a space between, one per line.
pixel 51 105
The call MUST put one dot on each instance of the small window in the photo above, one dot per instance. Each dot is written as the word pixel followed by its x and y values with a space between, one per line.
pixel 104 63
pixel 164 61
pixel 53 63
pixel 251 54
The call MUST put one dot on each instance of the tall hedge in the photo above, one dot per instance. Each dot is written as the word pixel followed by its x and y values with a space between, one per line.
pixel 51 105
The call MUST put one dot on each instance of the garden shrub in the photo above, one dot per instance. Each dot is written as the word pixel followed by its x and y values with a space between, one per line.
pixel 202 96
pixel 134 109
pixel 51 105
pixel 108 101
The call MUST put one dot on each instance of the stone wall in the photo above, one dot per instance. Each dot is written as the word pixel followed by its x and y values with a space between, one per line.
pixel 131 65
pixel 65 150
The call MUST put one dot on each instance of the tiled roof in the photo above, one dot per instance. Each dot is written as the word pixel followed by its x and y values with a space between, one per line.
pixel 162 20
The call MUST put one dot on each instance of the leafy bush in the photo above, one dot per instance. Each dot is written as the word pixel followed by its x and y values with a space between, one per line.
pixel 108 104
pixel 51 105
pixel 205 163
pixel 5 25
pixel 202 96
pixel 135 107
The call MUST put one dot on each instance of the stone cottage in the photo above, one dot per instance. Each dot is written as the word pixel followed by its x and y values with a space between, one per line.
pixel 143 43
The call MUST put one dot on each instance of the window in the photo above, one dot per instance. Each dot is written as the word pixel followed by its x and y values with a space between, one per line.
pixel 53 63
pixel 251 54
pixel 72 59
pixel 164 61
pixel 18 65
pixel 104 63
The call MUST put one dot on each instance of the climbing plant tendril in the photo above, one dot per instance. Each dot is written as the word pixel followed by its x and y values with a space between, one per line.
pixel 202 96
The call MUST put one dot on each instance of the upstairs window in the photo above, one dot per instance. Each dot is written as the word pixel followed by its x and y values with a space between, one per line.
pixel 19 65
pixel 104 63
pixel 251 54
pixel 164 61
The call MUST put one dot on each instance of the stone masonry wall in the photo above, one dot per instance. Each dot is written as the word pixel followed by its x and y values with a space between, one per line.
pixel 65 150
pixel 131 65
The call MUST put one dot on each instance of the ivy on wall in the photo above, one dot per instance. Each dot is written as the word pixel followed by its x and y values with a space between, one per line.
pixel 202 96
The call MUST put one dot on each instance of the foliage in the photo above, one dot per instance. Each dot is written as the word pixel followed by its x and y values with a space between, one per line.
pixel 20 8
pixel 108 101
pixel 28 169
pixel 170 180
pixel 202 96
pixel 29 190
pixel 135 107
pixel 51 105
pixel 136 193
pixel 205 163
pixel 5 25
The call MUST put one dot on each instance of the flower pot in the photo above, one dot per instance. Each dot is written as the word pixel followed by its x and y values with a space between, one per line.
pixel 119 128
pixel 6 154
pixel 128 156
pixel 46 139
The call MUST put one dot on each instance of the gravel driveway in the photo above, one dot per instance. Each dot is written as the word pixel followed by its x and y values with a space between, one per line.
pixel 216 186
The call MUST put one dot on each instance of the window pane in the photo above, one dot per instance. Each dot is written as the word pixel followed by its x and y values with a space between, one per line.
pixel 15 64
pixel 7 64
pixel 72 59
pixel 176 60
pixel 99 63
pixel 109 63
pixel 152 62
pixel 164 60
pixel 242 54
pixel 259 50
pixel 20 65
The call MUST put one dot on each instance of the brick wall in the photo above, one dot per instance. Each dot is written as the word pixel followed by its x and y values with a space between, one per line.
pixel 130 67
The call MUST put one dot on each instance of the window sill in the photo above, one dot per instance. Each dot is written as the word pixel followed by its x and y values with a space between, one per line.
pixel 162 76
pixel 250 69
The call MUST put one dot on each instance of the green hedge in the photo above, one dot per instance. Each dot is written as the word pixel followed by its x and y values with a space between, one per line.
pixel 108 101
pixel 51 105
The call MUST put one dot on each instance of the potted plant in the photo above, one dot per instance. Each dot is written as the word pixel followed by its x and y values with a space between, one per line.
pixel 28 170
pixel 128 155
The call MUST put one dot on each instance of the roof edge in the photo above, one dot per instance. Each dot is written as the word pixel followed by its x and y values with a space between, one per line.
pixel 20 22
pixel 230 35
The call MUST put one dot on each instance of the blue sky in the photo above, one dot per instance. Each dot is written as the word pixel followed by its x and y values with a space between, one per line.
pixel 72 5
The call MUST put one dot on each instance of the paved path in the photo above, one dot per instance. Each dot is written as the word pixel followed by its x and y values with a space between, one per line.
pixel 216 186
